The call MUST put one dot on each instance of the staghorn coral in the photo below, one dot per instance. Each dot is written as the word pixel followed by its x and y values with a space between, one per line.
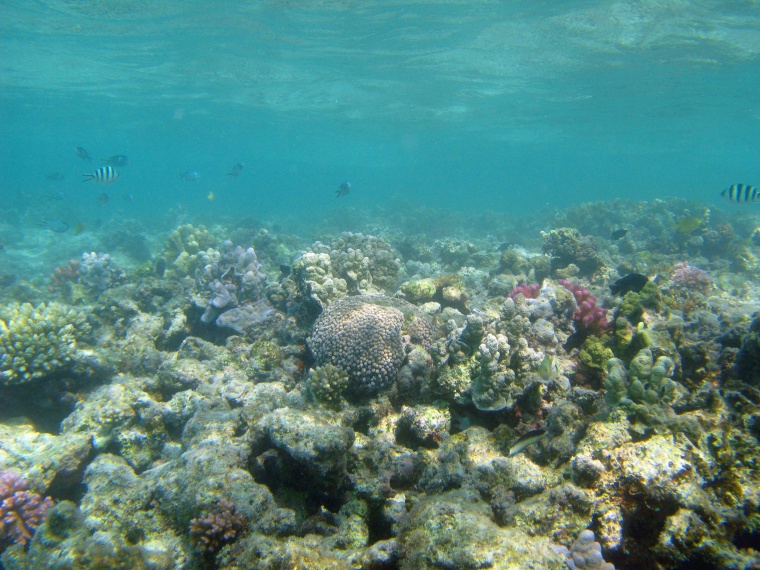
pixel 212 531
pixel 365 336
pixel 21 511
pixel 36 341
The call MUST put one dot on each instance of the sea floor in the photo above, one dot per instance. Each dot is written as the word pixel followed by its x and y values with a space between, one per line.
pixel 403 388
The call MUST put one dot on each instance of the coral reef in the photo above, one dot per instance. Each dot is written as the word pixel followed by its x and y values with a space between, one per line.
pixel 37 341
pixel 98 272
pixel 211 532
pixel 21 510
pixel 588 315
pixel 363 335
pixel 567 246
pixel 586 553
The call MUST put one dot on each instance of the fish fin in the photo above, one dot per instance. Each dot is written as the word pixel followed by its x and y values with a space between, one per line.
pixel 88 177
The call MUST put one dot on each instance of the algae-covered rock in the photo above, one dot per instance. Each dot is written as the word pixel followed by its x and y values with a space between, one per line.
pixel 456 530
pixel 419 290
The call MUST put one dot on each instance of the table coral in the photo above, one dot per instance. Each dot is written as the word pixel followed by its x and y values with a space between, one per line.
pixel 37 341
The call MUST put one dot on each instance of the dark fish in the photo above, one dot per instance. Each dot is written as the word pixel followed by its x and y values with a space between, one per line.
pixel 54 176
pixel 102 175
pixel 116 160
pixel 741 194
pixel 57 226
pixel 632 282
pixel 617 234
pixel 576 339
pixel 343 189
pixel 190 176
pixel 527 439
pixel 83 154
pixel 103 199
pixel 237 168
pixel 79 228
pixel 506 245
pixel 285 269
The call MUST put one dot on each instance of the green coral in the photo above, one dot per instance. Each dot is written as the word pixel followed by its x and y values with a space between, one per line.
pixel 595 354
pixel 646 381
pixel 37 341
pixel 419 290
pixel 327 383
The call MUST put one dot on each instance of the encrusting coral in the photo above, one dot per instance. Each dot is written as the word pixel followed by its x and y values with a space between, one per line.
pixel 37 341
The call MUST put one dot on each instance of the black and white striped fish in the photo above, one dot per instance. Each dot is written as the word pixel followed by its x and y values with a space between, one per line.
pixel 741 193
pixel 102 175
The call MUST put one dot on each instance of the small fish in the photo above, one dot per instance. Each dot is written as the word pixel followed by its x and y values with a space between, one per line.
pixel 528 438
pixel 79 228
pixel 103 199
pixel 83 154
pixel 237 168
pixel 57 226
pixel 688 224
pixel 116 160
pixel 632 282
pixel 190 176
pixel 102 175
pixel 128 197
pixel 343 190
pixel 741 194
pixel 55 176
pixel 210 197
pixel 617 234
pixel 548 369
pixel 576 339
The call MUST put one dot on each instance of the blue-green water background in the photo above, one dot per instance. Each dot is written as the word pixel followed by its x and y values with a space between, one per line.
pixel 521 106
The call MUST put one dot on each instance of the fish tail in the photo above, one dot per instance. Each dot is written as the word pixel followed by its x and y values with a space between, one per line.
pixel 88 177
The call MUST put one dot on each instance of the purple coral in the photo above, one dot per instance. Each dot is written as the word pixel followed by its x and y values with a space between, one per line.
pixel 529 291
pixel 692 278
pixel 211 532
pixel 588 315
pixel 21 511
pixel 235 279
pixel 97 272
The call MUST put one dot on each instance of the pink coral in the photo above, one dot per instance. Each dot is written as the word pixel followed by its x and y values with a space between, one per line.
pixel 21 511
pixel 529 291
pixel 692 278
pixel 211 532
pixel 588 315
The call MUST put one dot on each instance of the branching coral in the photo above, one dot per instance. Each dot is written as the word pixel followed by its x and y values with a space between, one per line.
pixel 36 341
pixel 21 511
pixel 212 531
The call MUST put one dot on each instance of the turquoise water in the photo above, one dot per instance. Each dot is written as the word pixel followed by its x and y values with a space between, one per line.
pixel 469 106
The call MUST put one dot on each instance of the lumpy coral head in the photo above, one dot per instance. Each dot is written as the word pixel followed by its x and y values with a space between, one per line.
pixel 588 315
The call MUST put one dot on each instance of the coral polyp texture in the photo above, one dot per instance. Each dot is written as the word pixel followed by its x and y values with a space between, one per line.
pixel 588 315
pixel 363 336
pixel 37 341
pixel 21 510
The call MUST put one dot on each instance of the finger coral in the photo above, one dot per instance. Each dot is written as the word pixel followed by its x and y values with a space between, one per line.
pixel 211 532
pixel 36 341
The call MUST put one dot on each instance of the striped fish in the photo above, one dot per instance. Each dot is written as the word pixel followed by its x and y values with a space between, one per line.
pixel 741 193
pixel 102 175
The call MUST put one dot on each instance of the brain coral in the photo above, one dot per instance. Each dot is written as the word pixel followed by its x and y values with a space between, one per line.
pixel 365 335
pixel 36 341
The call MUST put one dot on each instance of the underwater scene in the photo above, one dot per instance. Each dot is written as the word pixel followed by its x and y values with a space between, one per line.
pixel 378 285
